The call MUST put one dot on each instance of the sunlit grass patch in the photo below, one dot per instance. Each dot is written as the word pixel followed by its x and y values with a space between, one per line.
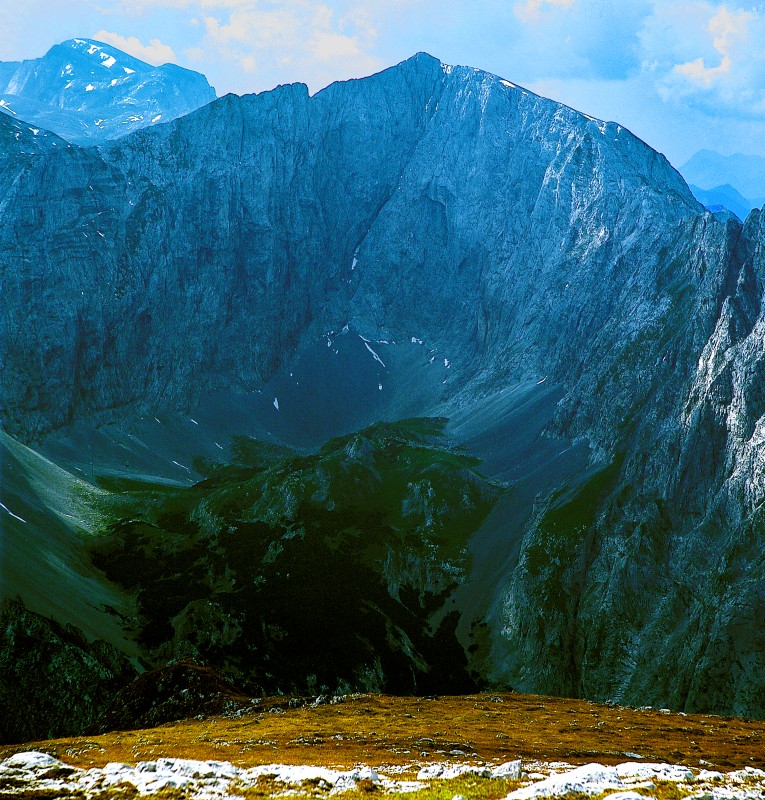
pixel 469 787
pixel 661 790
pixel 380 730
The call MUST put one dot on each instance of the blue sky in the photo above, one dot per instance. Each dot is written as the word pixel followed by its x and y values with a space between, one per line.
pixel 681 74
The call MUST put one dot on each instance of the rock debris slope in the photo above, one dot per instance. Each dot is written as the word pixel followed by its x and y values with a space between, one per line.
pixel 543 279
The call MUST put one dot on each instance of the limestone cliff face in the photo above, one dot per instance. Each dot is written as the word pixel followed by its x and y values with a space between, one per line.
pixel 642 581
pixel 422 201
pixel 538 253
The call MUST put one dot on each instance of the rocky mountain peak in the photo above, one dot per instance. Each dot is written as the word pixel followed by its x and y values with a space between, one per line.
pixel 87 91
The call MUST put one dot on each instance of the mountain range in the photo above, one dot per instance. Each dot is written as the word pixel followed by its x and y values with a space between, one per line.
pixel 735 182
pixel 725 198
pixel 421 383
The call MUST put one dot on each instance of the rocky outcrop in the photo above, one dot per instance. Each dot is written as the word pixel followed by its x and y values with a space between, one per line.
pixel 304 574
pixel 638 583
pixel 177 691
pixel 53 681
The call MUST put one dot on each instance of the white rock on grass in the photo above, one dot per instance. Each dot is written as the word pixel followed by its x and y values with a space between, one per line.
pixel 214 780
pixel 193 769
pixel 446 771
pixel 32 761
pixel 348 780
pixel 295 775
pixel 588 779
pixel 632 771
pixel 710 776
pixel 510 770
pixel 746 775
pixel 199 778
pixel 151 776
pixel 431 771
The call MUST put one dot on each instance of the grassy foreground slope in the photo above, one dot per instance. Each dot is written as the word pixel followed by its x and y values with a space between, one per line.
pixel 382 730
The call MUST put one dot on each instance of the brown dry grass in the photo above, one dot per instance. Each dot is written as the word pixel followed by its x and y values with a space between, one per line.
pixel 380 730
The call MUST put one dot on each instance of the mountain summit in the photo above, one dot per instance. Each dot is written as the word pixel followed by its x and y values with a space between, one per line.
pixel 87 91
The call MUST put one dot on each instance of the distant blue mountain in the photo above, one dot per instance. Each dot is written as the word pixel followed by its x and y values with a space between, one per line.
pixel 726 197
pixel 88 92
pixel 735 182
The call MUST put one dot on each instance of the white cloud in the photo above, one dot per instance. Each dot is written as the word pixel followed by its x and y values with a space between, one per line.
pixel 155 52
pixel 725 28
pixel 530 10
pixel 291 40
pixel 139 6
pixel 707 55
pixel 571 38
pixel 329 46
pixel 257 44
pixel 273 28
